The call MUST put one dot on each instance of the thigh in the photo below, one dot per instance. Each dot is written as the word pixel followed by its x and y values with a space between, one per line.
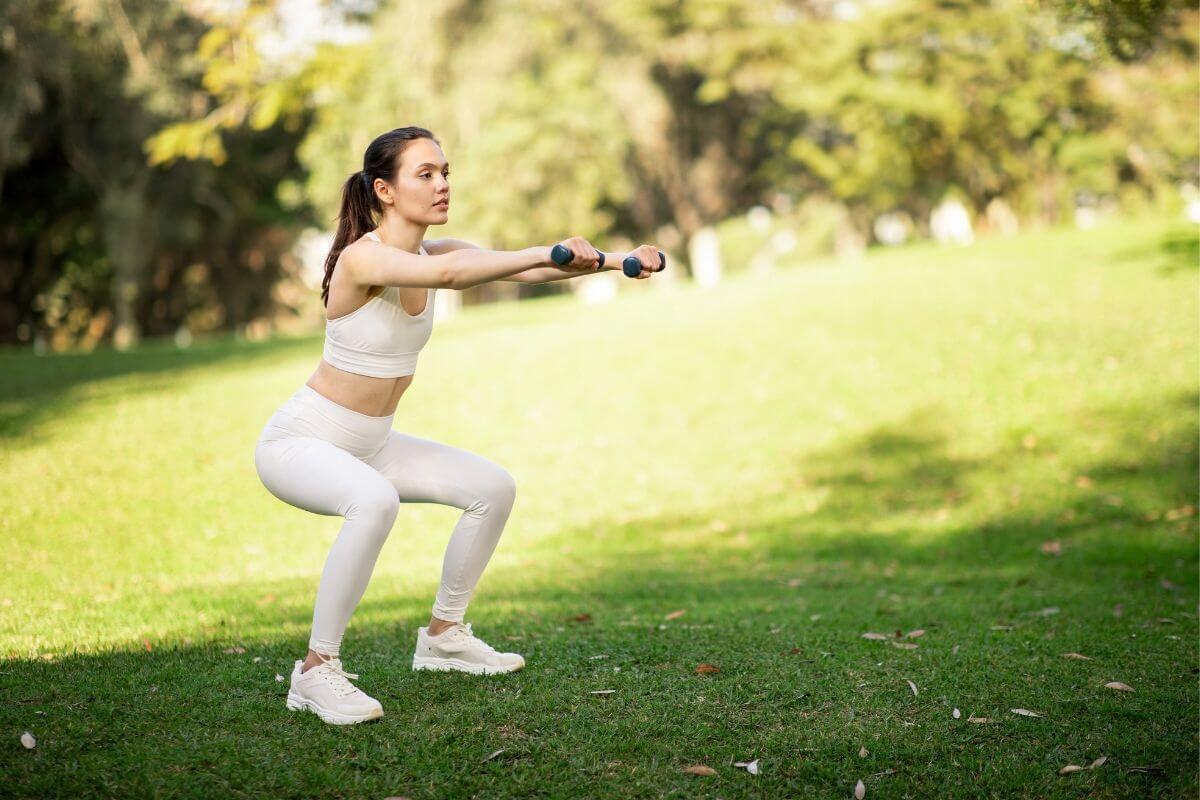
pixel 318 476
pixel 425 471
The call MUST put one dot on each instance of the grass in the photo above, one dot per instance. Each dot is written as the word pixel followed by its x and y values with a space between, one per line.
pixel 996 445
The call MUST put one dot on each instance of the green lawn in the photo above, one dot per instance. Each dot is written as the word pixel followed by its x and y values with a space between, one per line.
pixel 995 445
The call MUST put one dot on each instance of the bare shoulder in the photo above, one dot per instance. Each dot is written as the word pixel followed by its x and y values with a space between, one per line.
pixel 438 246
pixel 358 253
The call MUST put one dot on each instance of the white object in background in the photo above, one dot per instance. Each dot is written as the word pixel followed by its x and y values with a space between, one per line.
pixel 595 289
pixel 1191 198
pixel 951 224
pixel 704 251
pixel 892 228
pixel 446 304
pixel 759 219
pixel 1085 217
pixel 312 247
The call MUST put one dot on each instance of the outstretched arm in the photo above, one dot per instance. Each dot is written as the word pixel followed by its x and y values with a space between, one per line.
pixel 531 275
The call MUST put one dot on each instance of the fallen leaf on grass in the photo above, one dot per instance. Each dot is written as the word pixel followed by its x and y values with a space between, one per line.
pixel 912 686
pixel 1046 612
pixel 676 614
pixel 877 636
pixel 905 645
pixel 491 756
pixel 1002 627
pixel 1069 768
pixel 700 769
pixel 956 713
pixel 1079 656
pixel 706 669
pixel 862 752
pixel 28 740
pixel 602 691
pixel 237 649
pixel 978 719
pixel 1052 547
pixel 581 618
pixel 749 766
pixel 860 790
pixel 1025 712
pixel 1121 687
pixel 916 633
pixel 278 678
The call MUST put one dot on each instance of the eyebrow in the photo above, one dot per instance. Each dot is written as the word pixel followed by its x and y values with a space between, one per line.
pixel 430 164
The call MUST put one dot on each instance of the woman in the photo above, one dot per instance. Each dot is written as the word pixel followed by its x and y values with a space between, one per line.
pixel 330 449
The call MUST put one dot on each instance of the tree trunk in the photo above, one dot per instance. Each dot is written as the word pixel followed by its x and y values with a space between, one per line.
pixel 123 211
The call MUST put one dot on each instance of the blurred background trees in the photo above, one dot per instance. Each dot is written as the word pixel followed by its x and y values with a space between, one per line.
pixel 160 160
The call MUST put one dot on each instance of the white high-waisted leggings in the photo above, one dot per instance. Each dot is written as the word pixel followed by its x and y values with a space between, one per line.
pixel 329 459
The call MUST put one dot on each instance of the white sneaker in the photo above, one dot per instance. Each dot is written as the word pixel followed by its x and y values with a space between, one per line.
pixel 456 648
pixel 326 691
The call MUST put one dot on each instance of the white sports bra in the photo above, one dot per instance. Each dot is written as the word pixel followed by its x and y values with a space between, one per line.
pixel 379 338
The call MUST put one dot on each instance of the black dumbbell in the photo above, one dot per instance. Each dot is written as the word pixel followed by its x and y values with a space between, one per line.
pixel 632 267
pixel 562 256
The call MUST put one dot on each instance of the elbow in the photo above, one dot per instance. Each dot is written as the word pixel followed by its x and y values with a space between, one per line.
pixel 450 279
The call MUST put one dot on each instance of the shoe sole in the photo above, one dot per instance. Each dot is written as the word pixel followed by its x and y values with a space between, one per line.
pixel 297 703
pixel 457 665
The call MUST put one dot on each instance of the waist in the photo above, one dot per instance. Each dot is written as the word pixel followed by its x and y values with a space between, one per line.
pixel 363 394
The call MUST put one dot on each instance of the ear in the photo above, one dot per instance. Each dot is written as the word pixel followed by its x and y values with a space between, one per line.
pixel 383 191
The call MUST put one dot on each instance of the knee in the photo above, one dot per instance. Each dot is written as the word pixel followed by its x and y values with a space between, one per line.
pixel 379 506
pixel 499 491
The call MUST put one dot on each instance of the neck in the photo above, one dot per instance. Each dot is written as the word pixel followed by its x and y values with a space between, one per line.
pixel 402 233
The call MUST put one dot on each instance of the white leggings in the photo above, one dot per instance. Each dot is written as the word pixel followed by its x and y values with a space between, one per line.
pixel 328 459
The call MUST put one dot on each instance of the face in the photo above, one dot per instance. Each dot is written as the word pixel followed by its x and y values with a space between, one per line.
pixel 422 184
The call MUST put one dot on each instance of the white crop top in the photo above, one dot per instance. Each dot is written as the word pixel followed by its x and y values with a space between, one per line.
pixel 379 338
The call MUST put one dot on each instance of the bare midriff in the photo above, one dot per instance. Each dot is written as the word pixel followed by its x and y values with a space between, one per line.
pixel 375 397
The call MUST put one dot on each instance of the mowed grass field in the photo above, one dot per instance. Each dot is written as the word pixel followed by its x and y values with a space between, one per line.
pixel 986 455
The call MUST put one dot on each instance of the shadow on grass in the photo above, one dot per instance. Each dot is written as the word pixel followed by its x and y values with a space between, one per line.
pixel 36 388
pixel 884 532
pixel 1181 249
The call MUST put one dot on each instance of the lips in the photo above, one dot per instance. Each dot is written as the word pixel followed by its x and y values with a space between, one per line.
pixel 443 204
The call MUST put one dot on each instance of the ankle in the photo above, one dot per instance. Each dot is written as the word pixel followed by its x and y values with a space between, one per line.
pixel 436 626
pixel 314 659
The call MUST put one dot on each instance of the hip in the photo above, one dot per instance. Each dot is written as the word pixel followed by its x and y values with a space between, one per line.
pixel 308 413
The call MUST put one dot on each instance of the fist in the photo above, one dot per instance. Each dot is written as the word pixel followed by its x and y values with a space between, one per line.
pixel 648 255
pixel 584 257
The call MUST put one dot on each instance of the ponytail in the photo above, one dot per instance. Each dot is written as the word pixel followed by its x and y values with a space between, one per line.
pixel 355 219
pixel 360 205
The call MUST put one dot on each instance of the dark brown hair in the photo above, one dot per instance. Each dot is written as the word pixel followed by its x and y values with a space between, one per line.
pixel 360 205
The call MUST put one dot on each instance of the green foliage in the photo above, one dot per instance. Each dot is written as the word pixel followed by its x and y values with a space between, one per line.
pixel 103 222
pixel 178 140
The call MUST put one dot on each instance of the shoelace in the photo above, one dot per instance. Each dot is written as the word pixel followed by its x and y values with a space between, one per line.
pixel 337 677
pixel 465 630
